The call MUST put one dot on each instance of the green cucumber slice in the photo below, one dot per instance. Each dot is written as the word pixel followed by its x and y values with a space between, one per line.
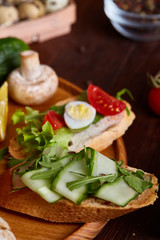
pixel 40 186
pixel 66 175
pixel 99 165
pixel 117 192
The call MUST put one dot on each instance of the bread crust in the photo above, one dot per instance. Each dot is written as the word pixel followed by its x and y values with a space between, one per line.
pixel 91 210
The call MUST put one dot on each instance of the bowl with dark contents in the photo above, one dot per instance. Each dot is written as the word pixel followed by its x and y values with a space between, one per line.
pixel 138 20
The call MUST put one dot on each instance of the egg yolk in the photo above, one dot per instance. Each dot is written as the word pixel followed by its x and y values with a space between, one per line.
pixel 79 111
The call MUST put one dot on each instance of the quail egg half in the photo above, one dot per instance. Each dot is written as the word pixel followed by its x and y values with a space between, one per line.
pixel 79 114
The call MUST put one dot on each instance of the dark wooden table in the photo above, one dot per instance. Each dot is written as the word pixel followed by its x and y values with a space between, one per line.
pixel 95 52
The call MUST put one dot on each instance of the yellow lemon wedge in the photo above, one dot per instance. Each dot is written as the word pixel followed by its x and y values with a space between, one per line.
pixel 3 110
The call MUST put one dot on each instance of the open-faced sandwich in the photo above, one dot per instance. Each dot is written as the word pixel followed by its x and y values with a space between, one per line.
pixel 57 173
pixel 93 119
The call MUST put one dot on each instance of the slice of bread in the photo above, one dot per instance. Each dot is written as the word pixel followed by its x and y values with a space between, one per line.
pixel 113 128
pixel 105 137
pixel 91 210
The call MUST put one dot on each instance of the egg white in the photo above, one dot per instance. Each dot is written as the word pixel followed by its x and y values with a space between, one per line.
pixel 73 123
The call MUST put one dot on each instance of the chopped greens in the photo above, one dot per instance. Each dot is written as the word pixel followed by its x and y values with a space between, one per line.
pixel 35 136
pixel 89 179
pixel 3 152
pixel 62 136
pixel 137 184
pixel 34 115
pixel 51 173
pixel 58 109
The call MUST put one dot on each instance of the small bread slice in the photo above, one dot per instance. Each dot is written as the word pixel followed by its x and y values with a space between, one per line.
pixel 91 210
pixel 98 142
pixel 105 138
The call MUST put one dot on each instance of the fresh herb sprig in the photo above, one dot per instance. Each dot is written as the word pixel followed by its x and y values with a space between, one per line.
pixel 3 152
pixel 122 92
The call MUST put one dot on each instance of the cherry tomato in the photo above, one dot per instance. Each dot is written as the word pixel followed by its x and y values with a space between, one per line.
pixel 103 102
pixel 54 119
pixel 154 100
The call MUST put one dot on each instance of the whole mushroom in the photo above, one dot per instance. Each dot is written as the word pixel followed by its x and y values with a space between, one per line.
pixel 8 15
pixel 32 83
pixel 31 9
pixel 12 2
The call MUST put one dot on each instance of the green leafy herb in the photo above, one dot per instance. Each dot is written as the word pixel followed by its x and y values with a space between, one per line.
pixel 120 162
pixel 14 161
pixel 34 115
pixel 89 179
pixel 51 173
pixel 58 109
pixel 83 96
pixel 3 152
pixel 140 174
pixel 62 136
pixel 24 167
pixel 137 184
pixel 18 116
pixel 97 118
pixel 122 92
pixel 47 130
pixel 56 164
pixel 124 171
pixel 31 116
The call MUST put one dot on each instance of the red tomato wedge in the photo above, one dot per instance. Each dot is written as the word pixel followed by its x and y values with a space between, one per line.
pixel 54 119
pixel 104 103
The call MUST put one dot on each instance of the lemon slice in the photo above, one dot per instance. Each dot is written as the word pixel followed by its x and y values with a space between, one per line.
pixel 3 109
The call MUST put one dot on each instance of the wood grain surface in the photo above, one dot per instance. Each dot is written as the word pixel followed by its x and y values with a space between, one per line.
pixel 95 52
pixel 25 227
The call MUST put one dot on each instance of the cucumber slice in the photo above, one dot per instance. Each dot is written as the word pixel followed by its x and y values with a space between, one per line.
pixel 100 164
pixel 77 165
pixel 40 186
pixel 117 192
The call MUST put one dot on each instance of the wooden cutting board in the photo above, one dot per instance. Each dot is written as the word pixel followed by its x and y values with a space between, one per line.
pixel 25 227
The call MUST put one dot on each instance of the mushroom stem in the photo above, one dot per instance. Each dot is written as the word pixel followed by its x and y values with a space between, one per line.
pixel 30 65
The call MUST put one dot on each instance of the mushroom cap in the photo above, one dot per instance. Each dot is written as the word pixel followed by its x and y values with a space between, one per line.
pixel 32 92
pixel 31 9
pixel 5 231
pixel 8 15
pixel 54 5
